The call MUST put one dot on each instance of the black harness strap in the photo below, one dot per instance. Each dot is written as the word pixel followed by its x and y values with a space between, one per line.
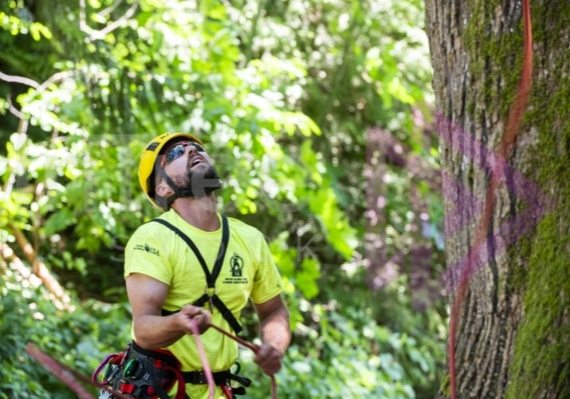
pixel 220 377
pixel 210 277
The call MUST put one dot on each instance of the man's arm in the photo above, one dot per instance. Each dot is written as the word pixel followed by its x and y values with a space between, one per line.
pixel 275 330
pixel 152 330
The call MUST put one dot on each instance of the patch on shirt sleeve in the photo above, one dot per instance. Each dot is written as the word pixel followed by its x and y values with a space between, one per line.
pixel 146 248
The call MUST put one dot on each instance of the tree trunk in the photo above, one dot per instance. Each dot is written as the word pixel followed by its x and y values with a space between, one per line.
pixel 513 329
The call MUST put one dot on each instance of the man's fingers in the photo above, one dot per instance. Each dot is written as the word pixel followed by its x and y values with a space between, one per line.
pixel 203 321
pixel 269 359
pixel 192 310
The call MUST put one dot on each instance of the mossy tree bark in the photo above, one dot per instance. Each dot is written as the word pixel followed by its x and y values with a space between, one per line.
pixel 513 334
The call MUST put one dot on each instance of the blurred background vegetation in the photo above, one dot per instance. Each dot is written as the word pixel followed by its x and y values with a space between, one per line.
pixel 318 114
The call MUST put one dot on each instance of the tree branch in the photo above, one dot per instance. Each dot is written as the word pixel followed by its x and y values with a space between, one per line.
pixel 64 373
pixel 38 267
pixel 19 79
pixel 100 34
pixel 23 125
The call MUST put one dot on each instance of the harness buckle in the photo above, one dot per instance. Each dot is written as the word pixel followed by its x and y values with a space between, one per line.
pixel 210 292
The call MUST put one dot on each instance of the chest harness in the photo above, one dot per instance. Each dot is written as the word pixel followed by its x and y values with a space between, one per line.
pixel 149 374
pixel 210 294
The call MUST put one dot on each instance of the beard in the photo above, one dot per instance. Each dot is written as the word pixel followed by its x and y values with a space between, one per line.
pixel 199 182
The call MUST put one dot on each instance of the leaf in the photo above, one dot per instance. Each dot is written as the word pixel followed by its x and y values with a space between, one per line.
pixel 58 221
pixel 307 278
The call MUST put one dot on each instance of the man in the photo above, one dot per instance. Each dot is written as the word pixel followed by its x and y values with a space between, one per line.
pixel 170 284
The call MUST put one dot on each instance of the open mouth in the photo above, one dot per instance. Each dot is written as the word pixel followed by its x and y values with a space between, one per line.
pixel 196 161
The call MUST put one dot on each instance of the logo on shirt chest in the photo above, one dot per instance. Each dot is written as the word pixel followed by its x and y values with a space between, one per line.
pixel 236 267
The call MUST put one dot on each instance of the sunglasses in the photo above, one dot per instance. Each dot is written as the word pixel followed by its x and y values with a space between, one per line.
pixel 177 150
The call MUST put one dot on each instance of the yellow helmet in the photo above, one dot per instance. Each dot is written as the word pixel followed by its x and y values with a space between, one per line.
pixel 148 161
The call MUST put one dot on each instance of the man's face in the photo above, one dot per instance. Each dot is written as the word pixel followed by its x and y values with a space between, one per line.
pixel 188 165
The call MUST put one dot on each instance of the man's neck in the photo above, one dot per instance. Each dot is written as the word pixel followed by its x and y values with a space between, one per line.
pixel 199 212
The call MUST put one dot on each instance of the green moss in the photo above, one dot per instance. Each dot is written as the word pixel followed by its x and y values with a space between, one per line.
pixel 445 386
pixel 540 361
pixel 488 54
pixel 542 346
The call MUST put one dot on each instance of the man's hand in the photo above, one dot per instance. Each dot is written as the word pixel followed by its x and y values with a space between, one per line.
pixel 193 314
pixel 275 334
pixel 269 359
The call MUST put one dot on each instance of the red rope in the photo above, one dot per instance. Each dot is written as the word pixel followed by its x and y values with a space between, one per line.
pixel 208 372
pixel 508 139
pixel 64 372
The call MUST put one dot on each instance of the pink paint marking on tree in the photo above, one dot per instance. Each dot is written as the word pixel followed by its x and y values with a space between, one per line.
pixel 458 217
pixel 468 212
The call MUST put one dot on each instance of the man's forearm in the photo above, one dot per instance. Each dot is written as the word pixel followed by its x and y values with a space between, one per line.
pixel 156 331
pixel 276 330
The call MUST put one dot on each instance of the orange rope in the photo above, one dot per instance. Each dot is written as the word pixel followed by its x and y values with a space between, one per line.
pixel 516 114
pixel 254 349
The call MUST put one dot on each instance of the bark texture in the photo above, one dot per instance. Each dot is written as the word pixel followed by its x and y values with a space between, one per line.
pixel 513 338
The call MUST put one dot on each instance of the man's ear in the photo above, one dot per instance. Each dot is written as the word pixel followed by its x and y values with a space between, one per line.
pixel 163 190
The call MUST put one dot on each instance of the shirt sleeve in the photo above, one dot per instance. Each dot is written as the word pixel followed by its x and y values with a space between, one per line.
pixel 267 283
pixel 146 254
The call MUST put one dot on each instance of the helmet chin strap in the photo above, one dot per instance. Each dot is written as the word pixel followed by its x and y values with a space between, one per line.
pixel 203 186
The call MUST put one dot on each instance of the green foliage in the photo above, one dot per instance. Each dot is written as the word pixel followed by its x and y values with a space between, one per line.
pixel 341 352
pixel 79 338
pixel 283 94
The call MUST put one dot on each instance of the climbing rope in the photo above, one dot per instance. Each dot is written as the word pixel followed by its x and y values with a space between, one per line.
pixel 508 139
pixel 206 366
